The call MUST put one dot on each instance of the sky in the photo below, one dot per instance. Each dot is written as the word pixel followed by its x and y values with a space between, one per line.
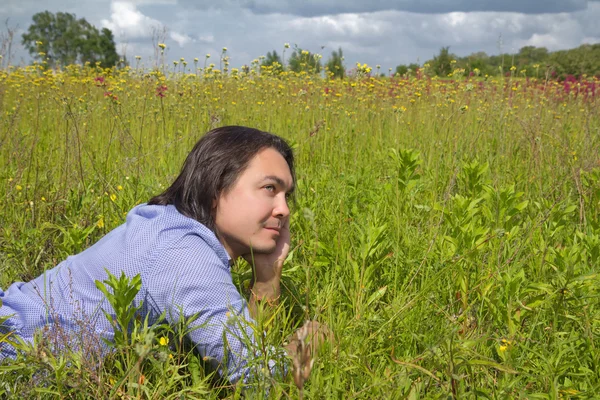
pixel 376 32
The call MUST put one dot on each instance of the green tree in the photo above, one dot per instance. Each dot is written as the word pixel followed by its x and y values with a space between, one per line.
pixel 335 64
pixel 401 70
pixel 441 63
pixel 63 39
pixel 274 61
pixel 304 60
pixel 531 55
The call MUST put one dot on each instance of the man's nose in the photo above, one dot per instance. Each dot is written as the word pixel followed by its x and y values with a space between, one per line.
pixel 282 209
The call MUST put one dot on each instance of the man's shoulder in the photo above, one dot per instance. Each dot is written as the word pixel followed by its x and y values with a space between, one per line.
pixel 166 220
pixel 166 227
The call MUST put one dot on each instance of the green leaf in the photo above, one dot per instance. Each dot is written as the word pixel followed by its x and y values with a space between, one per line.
pixel 492 364
pixel 377 295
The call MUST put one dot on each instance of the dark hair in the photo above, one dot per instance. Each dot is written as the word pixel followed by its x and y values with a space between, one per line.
pixel 213 166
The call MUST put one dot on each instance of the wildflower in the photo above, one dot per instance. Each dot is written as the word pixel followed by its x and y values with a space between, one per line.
pixel 113 197
pixel 161 91
pixel 19 188
pixel 224 49
pixel 163 341
pixel 207 55
pixel 162 46
pixel 504 345
pixel 119 187
pixel 138 57
pixel 100 223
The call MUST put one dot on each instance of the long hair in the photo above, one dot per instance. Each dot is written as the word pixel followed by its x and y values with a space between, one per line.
pixel 214 165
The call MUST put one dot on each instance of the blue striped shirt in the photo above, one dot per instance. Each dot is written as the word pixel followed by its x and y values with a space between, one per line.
pixel 185 271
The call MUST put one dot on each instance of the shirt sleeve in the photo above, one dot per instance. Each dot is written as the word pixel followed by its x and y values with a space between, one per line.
pixel 189 279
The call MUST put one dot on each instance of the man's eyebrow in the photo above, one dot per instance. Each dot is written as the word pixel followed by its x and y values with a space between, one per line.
pixel 280 182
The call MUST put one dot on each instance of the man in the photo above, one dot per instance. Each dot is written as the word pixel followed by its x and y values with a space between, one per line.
pixel 229 201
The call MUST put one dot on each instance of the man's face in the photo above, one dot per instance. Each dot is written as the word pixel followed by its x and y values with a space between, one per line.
pixel 251 214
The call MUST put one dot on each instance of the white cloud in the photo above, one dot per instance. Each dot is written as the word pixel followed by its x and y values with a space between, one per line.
pixel 456 18
pixel 180 39
pixel 127 22
pixel 206 39
pixel 340 25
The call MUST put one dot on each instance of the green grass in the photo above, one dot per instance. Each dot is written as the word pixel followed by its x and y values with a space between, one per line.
pixel 447 232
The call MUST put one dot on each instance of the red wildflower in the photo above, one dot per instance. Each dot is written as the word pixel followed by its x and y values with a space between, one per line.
pixel 161 90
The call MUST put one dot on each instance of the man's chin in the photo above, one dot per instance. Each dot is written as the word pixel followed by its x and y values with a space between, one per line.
pixel 263 248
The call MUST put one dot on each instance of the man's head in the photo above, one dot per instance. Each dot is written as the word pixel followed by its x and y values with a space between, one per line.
pixel 216 183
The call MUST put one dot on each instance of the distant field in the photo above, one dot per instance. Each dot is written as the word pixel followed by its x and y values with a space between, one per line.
pixel 448 231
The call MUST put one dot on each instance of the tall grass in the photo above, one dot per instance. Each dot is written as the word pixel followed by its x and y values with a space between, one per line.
pixel 447 231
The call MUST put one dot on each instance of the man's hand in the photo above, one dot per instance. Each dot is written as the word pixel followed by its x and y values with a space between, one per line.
pixel 267 270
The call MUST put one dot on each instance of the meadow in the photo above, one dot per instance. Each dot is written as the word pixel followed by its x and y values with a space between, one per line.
pixel 446 230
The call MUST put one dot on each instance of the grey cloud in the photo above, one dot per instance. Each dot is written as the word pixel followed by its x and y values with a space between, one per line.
pixel 388 37
pixel 313 8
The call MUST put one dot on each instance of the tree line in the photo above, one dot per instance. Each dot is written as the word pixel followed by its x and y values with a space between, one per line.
pixel 305 61
pixel 529 61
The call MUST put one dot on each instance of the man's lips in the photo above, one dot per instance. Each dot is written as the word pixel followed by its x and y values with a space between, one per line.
pixel 273 228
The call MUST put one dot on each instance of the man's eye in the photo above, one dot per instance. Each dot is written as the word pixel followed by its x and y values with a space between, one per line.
pixel 270 188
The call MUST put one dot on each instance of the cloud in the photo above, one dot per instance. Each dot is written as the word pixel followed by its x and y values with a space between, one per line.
pixel 386 32
pixel 206 39
pixel 180 39
pixel 127 22
pixel 312 8
pixel 351 25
